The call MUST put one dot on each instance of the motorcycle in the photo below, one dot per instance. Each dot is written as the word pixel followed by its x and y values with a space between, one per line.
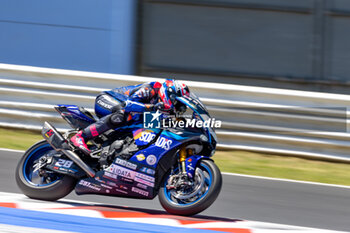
pixel 135 161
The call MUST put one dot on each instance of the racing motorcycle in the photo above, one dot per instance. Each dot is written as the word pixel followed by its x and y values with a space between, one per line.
pixel 136 161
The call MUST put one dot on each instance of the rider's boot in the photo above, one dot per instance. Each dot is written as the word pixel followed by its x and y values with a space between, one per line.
pixel 79 140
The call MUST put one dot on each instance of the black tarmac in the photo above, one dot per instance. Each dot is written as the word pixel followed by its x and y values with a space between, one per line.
pixel 291 203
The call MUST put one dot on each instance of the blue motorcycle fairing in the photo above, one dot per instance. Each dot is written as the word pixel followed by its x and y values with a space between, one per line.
pixel 191 164
pixel 151 155
pixel 173 135
pixel 75 111
pixel 128 128
pixel 122 178
pixel 165 142
pixel 197 106
pixel 143 136
pixel 73 115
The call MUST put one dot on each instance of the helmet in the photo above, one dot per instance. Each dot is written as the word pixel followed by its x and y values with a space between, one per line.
pixel 171 89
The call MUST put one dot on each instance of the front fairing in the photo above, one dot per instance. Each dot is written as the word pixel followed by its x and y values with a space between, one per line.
pixel 201 112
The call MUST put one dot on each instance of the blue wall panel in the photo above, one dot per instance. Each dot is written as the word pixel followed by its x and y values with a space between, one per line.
pixel 92 35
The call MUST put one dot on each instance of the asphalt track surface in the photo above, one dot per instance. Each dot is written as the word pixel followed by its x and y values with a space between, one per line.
pixel 291 203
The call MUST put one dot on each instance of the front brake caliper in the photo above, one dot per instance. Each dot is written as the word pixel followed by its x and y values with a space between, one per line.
pixel 170 184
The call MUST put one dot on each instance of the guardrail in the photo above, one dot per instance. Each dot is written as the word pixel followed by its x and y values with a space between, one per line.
pixel 269 120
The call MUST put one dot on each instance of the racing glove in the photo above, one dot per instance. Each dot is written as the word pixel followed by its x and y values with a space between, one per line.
pixel 154 107
pixel 159 106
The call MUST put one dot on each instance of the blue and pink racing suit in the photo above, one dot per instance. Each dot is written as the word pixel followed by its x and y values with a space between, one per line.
pixel 118 106
pixel 123 104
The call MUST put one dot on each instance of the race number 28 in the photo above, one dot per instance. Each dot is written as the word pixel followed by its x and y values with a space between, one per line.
pixel 64 163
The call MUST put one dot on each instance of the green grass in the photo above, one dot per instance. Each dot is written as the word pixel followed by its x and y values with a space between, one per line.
pixel 283 167
pixel 231 161
pixel 18 139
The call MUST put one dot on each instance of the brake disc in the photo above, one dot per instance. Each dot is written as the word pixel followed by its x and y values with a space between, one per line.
pixel 198 185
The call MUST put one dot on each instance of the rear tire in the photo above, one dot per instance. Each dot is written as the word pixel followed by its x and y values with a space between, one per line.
pixel 214 186
pixel 58 188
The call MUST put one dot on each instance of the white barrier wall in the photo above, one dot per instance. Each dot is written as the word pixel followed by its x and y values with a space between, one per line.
pixel 289 122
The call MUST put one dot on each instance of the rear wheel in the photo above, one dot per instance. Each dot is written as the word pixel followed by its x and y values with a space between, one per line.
pixel 199 195
pixel 35 182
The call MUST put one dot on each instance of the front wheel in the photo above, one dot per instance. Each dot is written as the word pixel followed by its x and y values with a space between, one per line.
pixel 190 200
pixel 38 183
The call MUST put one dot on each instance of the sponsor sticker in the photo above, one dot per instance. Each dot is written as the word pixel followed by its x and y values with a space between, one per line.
pixel 190 167
pixel 72 171
pixel 123 187
pixel 110 175
pixel 121 171
pixel 140 157
pixel 127 180
pixel 126 163
pixel 141 186
pixel 139 191
pixel 147 170
pixel 112 184
pixel 144 182
pixel 49 133
pixel 145 177
pixel 63 169
pixel 147 136
pixel 106 186
pixel 99 180
pixel 121 191
pixel 151 160
pixel 89 185
pixel 164 143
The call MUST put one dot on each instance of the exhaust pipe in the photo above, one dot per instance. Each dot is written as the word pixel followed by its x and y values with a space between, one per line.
pixel 77 160
pixel 55 139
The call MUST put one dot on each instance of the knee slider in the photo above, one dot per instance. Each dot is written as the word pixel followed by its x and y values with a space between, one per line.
pixel 116 118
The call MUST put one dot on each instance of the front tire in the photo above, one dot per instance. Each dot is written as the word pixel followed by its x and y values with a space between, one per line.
pixel 208 194
pixel 35 186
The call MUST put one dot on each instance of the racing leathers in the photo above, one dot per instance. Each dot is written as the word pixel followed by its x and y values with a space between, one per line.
pixel 117 106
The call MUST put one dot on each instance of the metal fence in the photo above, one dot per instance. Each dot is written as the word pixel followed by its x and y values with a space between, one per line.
pixel 274 43
pixel 269 120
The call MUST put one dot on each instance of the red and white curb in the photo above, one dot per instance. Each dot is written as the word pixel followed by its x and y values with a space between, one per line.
pixel 95 210
pixel 5 228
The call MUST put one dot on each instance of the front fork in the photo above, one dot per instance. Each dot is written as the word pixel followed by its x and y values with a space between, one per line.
pixel 182 160
pixel 188 162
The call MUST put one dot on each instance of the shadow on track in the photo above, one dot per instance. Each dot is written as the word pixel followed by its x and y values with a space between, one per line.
pixel 115 211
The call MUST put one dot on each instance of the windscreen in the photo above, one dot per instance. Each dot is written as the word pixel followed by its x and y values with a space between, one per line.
pixel 198 107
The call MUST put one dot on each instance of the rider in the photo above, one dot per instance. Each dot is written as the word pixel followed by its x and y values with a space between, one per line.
pixel 118 106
